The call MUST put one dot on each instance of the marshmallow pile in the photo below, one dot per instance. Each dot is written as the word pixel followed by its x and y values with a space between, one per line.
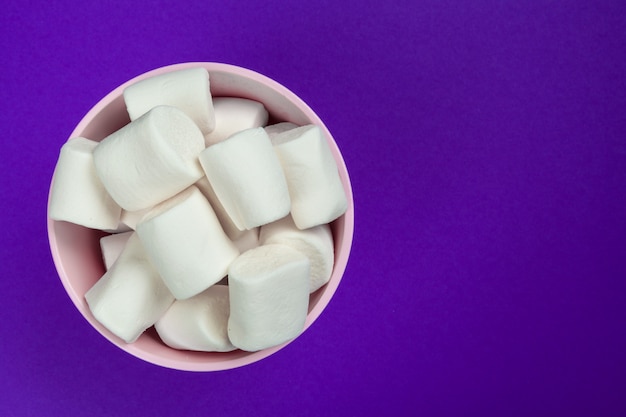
pixel 218 222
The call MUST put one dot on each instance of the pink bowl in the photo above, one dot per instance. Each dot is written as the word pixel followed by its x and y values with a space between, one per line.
pixel 76 249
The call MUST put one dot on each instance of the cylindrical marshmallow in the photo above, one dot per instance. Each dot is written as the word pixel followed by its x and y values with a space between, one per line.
pixel 198 323
pixel 130 219
pixel 130 297
pixel 231 230
pixel 150 159
pixel 249 239
pixel 243 239
pixel 112 246
pixel 77 195
pixel 121 228
pixel 246 175
pixel 269 295
pixel 278 128
pixel 186 243
pixel 316 192
pixel 316 243
pixel 234 114
pixel 188 89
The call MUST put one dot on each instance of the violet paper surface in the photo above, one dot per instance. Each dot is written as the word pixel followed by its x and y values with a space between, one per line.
pixel 487 152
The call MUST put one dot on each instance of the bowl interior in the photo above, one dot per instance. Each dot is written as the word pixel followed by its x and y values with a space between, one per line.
pixel 76 249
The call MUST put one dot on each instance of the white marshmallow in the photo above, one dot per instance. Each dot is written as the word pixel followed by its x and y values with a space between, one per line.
pixel 243 239
pixel 121 228
pixel 316 192
pixel 186 243
pixel 316 243
pixel 198 323
pixel 249 239
pixel 130 219
pixel 234 114
pixel 187 89
pixel 130 297
pixel 77 195
pixel 231 230
pixel 277 128
pixel 246 175
pixel 269 295
pixel 112 246
pixel 150 159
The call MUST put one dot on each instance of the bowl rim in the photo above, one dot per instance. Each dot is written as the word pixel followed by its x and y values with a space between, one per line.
pixel 338 268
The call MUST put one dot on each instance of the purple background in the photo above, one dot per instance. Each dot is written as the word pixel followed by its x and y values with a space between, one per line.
pixel 486 145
